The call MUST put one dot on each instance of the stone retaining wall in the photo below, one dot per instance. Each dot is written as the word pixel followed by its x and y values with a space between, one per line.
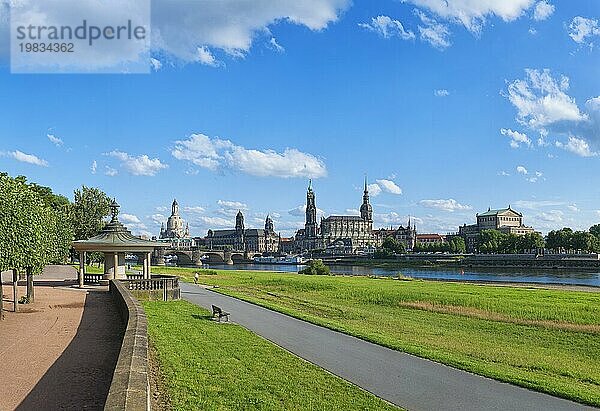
pixel 130 386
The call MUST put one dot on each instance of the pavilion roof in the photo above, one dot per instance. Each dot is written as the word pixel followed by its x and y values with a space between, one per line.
pixel 116 237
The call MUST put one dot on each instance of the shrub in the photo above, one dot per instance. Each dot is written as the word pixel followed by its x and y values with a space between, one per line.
pixel 315 267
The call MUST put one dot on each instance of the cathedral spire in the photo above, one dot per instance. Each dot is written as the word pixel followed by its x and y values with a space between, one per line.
pixel 366 185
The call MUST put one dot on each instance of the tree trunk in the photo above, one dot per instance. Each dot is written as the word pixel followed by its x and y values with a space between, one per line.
pixel 30 290
pixel 15 291
pixel 1 300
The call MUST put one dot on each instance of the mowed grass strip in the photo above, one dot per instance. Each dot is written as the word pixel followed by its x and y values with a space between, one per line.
pixel 545 340
pixel 210 366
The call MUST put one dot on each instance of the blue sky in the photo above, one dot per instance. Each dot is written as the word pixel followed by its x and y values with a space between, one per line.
pixel 449 107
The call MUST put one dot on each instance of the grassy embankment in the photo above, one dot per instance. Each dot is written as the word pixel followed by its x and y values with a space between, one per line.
pixel 547 340
pixel 211 366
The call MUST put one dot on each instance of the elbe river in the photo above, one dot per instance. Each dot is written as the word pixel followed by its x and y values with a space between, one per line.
pixel 570 277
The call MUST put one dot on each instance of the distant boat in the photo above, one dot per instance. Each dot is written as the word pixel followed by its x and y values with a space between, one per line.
pixel 294 260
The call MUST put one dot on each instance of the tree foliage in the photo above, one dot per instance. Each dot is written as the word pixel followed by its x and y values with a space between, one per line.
pixel 32 232
pixel 454 244
pixel 494 241
pixel 88 211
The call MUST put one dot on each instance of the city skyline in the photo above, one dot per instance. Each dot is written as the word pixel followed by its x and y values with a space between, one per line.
pixel 448 110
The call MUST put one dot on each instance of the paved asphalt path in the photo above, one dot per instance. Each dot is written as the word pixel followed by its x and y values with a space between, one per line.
pixel 402 379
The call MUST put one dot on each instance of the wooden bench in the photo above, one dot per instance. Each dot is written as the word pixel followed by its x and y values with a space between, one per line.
pixel 219 313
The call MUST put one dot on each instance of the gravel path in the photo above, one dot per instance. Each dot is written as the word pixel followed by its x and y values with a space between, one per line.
pixel 59 352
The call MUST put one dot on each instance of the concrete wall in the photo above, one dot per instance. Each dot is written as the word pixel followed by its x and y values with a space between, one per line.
pixel 130 387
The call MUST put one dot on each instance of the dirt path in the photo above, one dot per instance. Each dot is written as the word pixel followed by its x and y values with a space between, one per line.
pixel 60 352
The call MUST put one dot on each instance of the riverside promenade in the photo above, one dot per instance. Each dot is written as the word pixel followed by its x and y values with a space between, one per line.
pixel 59 352
pixel 402 379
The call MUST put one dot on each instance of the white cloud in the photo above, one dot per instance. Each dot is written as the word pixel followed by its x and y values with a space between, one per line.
pixel 504 173
pixel 542 10
pixel 158 219
pixel 206 57
pixel 553 216
pixel 94 167
pixel 432 32
pixel 352 211
pixel 27 158
pixel 541 100
pixel 449 205
pixel 215 153
pixel 194 209
pixel 473 13
pixel 386 27
pixel 577 146
pixel 537 204
pixel 389 186
pixel 109 171
pixel 217 222
pixel 441 93
pixel 129 218
pixel 156 64
pixel 374 189
pixel 532 31
pixel 183 28
pixel 573 207
pixel 581 29
pixel 522 170
pixel 276 46
pixel 232 204
pixel 516 138
pixel 138 166
pixel 55 140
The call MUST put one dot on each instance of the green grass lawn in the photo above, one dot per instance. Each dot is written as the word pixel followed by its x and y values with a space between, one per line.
pixel 547 340
pixel 210 366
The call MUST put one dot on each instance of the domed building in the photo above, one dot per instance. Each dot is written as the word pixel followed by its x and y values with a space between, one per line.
pixel 176 227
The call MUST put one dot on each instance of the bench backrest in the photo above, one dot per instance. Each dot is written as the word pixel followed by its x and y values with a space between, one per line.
pixel 216 310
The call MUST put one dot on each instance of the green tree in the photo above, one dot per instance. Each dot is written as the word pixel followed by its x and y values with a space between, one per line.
pixel 88 211
pixel 595 230
pixel 560 239
pixel 392 245
pixel 582 241
pixel 315 267
pixel 531 241
pixel 490 241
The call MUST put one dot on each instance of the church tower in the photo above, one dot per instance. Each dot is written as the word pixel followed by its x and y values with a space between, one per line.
pixel 366 210
pixel 310 226
pixel 175 208
pixel 269 224
pixel 240 243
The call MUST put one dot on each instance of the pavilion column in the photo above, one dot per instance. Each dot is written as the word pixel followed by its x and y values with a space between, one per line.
pixel 80 278
pixel 149 269
pixel 145 266
pixel 116 267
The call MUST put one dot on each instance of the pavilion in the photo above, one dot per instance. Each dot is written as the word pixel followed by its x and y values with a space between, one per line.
pixel 115 241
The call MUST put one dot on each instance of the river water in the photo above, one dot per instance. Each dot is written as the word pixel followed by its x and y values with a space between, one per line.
pixel 587 278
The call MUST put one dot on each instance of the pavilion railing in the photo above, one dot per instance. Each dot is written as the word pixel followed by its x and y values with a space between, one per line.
pixel 159 287
pixel 92 278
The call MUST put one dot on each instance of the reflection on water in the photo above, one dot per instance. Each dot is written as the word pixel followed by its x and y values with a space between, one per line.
pixel 589 278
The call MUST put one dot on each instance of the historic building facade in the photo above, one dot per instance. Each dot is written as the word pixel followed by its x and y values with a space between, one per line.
pixel 405 235
pixel 242 239
pixel 340 234
pixel 176 227
pixel 505 220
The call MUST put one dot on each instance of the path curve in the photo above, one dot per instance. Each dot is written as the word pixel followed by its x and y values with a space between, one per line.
pixel 405 380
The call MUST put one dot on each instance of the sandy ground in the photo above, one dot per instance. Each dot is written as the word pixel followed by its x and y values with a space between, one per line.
pixel 59 352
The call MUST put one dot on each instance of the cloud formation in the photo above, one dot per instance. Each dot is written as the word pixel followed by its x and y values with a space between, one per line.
pixel 216 153
pixel 140 165
pixel 54 140
pixel 386 27
pixel 542 10
pixel 449 205
pixel 473 13
pixel 433 32
pixel 516 138
pixel 581 29
pixel 27 158
pixel 543 105
pixel 389 186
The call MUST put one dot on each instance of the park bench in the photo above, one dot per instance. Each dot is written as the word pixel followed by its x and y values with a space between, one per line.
pixel 219 313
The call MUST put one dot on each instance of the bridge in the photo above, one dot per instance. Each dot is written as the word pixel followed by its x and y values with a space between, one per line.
pixel 196 256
